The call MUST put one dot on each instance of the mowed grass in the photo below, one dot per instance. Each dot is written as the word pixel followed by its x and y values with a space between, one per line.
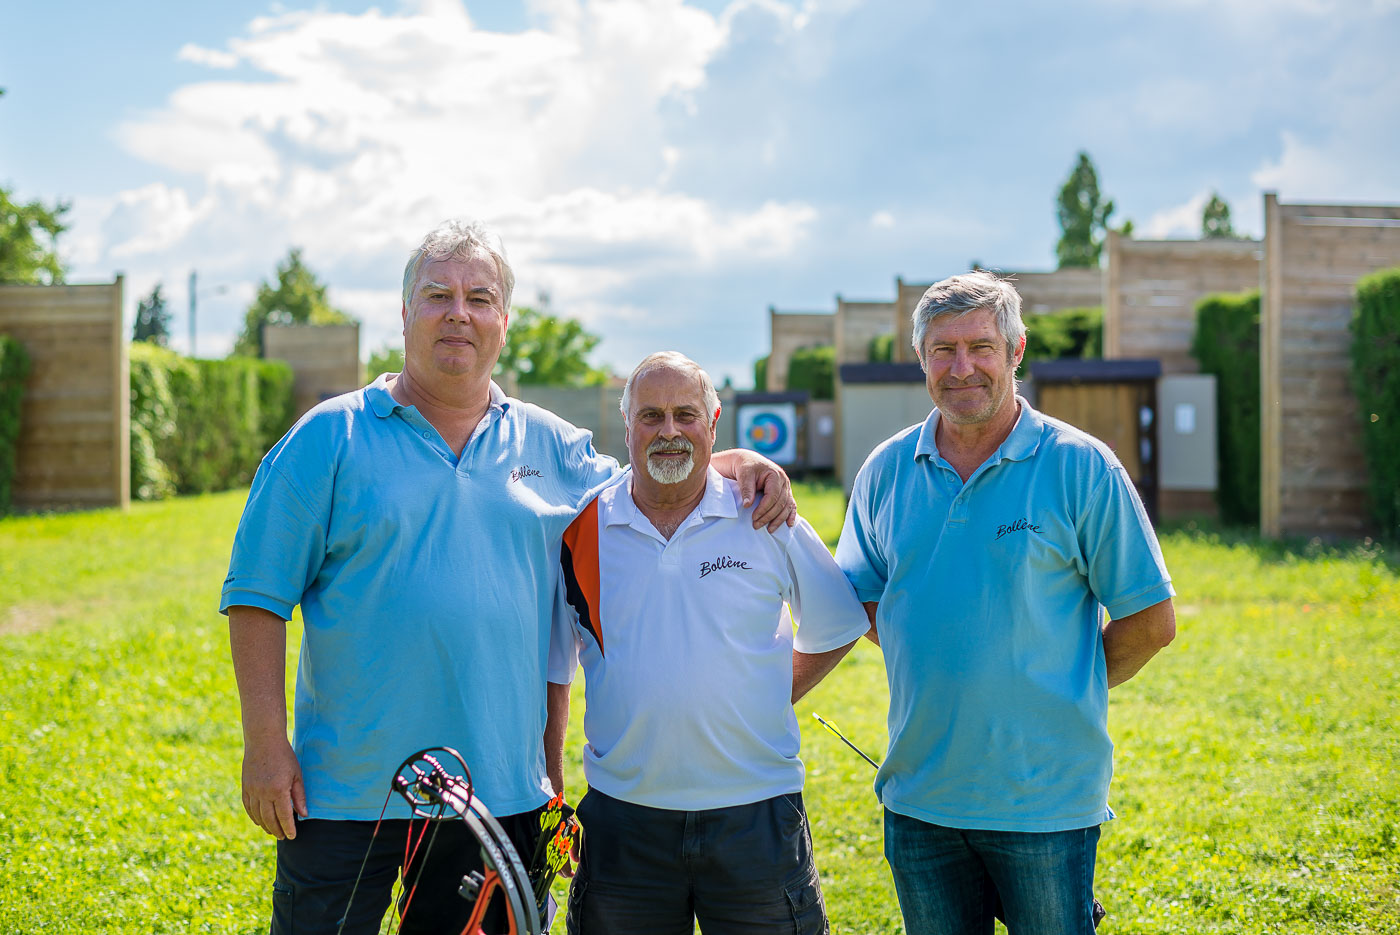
pixel 1256 774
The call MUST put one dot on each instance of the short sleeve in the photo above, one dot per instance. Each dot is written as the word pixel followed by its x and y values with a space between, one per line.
pixel 588 471
pixel 824 606
pixel 563 640
pixel 279 547
pixel 858 552
pixel 1125 566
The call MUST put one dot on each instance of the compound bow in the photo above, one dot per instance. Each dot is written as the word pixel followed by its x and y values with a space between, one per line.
pixel 435 794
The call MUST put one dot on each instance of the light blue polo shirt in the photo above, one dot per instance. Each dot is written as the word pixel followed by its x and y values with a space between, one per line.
pixel 989 619
pixel 426 584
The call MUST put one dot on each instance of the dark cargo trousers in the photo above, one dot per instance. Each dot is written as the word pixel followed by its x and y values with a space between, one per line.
pixel 741 870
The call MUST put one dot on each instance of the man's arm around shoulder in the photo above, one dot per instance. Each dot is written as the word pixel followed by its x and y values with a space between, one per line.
pixel 273 792
pixel 1129 642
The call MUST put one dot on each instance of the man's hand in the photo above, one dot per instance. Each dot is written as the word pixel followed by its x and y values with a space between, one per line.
pixel 755 474
pixel 272 788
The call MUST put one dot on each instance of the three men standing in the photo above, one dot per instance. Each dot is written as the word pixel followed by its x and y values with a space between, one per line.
pixel 694 809
pixel 425 560
pixel 983 543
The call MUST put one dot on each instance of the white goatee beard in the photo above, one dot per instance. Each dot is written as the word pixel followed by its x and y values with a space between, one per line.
pixel 670 472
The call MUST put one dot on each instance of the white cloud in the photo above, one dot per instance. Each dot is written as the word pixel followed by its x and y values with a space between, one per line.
pixel 1337 169
pixel 149 220
pixel 360 132
pixel 882 220
pixel 1183 220
pixel 210 58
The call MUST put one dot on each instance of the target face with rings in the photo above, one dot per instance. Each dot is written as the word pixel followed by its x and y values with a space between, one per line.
pixel 769 429
pixel 767 433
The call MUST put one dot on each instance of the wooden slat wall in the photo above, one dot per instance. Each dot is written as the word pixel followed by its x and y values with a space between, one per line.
pixel 792 331
pixel 1154 285
pixel 1040 292
pixel 324 358
pixel 1313 470
pixel 74 445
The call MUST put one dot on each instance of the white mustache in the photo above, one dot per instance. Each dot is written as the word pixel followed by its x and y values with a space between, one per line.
pixel 664 447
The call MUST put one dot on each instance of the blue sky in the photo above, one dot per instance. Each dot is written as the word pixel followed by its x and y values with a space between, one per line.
pixel 667 170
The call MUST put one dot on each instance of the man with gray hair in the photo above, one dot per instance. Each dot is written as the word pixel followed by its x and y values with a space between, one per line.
pixel 694 806
pixel 984 542
pixel 417 524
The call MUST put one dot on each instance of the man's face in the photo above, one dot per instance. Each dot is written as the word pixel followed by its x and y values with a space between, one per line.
pixel 668 430
pixel 969 368
pixel 455 324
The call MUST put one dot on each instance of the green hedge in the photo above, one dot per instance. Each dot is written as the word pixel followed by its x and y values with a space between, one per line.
pixel 1069 332
pixel 880 350
pixel 813 369
pixel 1226 344
pixel 14 368
pixel 202 425
pixel 1375 369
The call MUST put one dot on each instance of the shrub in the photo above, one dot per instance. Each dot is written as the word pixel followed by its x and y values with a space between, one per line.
pixel 760 374
pixel 1226 344
pixel 813 369
pixel 1375 371
pixel 880 350
pixel 152 420
pixel 203 425
pixel 14 368
pixel 1069 332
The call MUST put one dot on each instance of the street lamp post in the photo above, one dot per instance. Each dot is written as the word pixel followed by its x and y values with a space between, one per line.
pixel 194 293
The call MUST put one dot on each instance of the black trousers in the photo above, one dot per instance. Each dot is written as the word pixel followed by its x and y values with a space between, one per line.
pixel 316 872
pixel 741 870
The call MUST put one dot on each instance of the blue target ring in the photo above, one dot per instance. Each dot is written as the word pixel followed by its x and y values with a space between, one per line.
pixel 767 433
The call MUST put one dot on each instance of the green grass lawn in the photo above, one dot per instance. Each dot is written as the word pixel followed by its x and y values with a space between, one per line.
pixel 1257 758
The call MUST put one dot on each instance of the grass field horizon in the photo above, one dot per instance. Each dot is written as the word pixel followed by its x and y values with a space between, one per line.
pixel 1255 769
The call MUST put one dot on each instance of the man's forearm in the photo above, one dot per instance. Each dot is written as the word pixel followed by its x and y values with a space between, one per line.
pixel 1129 643
pixel 871 609
pixel 258 643
pixel 810 668
pixel 556 722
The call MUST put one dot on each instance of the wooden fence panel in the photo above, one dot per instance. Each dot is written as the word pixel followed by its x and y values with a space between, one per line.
pixel 1313 473
pixel 74 444
pixel 325 360
pixel 1153 287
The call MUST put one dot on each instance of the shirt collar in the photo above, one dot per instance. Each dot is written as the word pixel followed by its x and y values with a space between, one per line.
pixel 621 510
pixel 383 403
pixel 1017 446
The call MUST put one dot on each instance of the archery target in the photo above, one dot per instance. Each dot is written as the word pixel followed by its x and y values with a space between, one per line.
pixel 770 430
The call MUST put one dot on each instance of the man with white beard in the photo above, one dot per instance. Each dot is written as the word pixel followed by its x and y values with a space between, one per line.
pixel 694 809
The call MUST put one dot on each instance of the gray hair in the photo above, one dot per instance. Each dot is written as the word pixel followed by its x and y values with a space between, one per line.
pixel 671 360
pixel 459 239
pixel 958 295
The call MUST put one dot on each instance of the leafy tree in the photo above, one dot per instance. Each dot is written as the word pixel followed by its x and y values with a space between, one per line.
pixel 29 241
pixel 298 298
pixel 1215 219
pixel 543 348
pixel 387 359
pixel 152 320
pixel 1083 216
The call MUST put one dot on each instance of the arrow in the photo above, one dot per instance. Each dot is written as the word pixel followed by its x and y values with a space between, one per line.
pixel 832 727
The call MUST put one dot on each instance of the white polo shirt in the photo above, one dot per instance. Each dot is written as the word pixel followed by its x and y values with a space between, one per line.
pixel 687 650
